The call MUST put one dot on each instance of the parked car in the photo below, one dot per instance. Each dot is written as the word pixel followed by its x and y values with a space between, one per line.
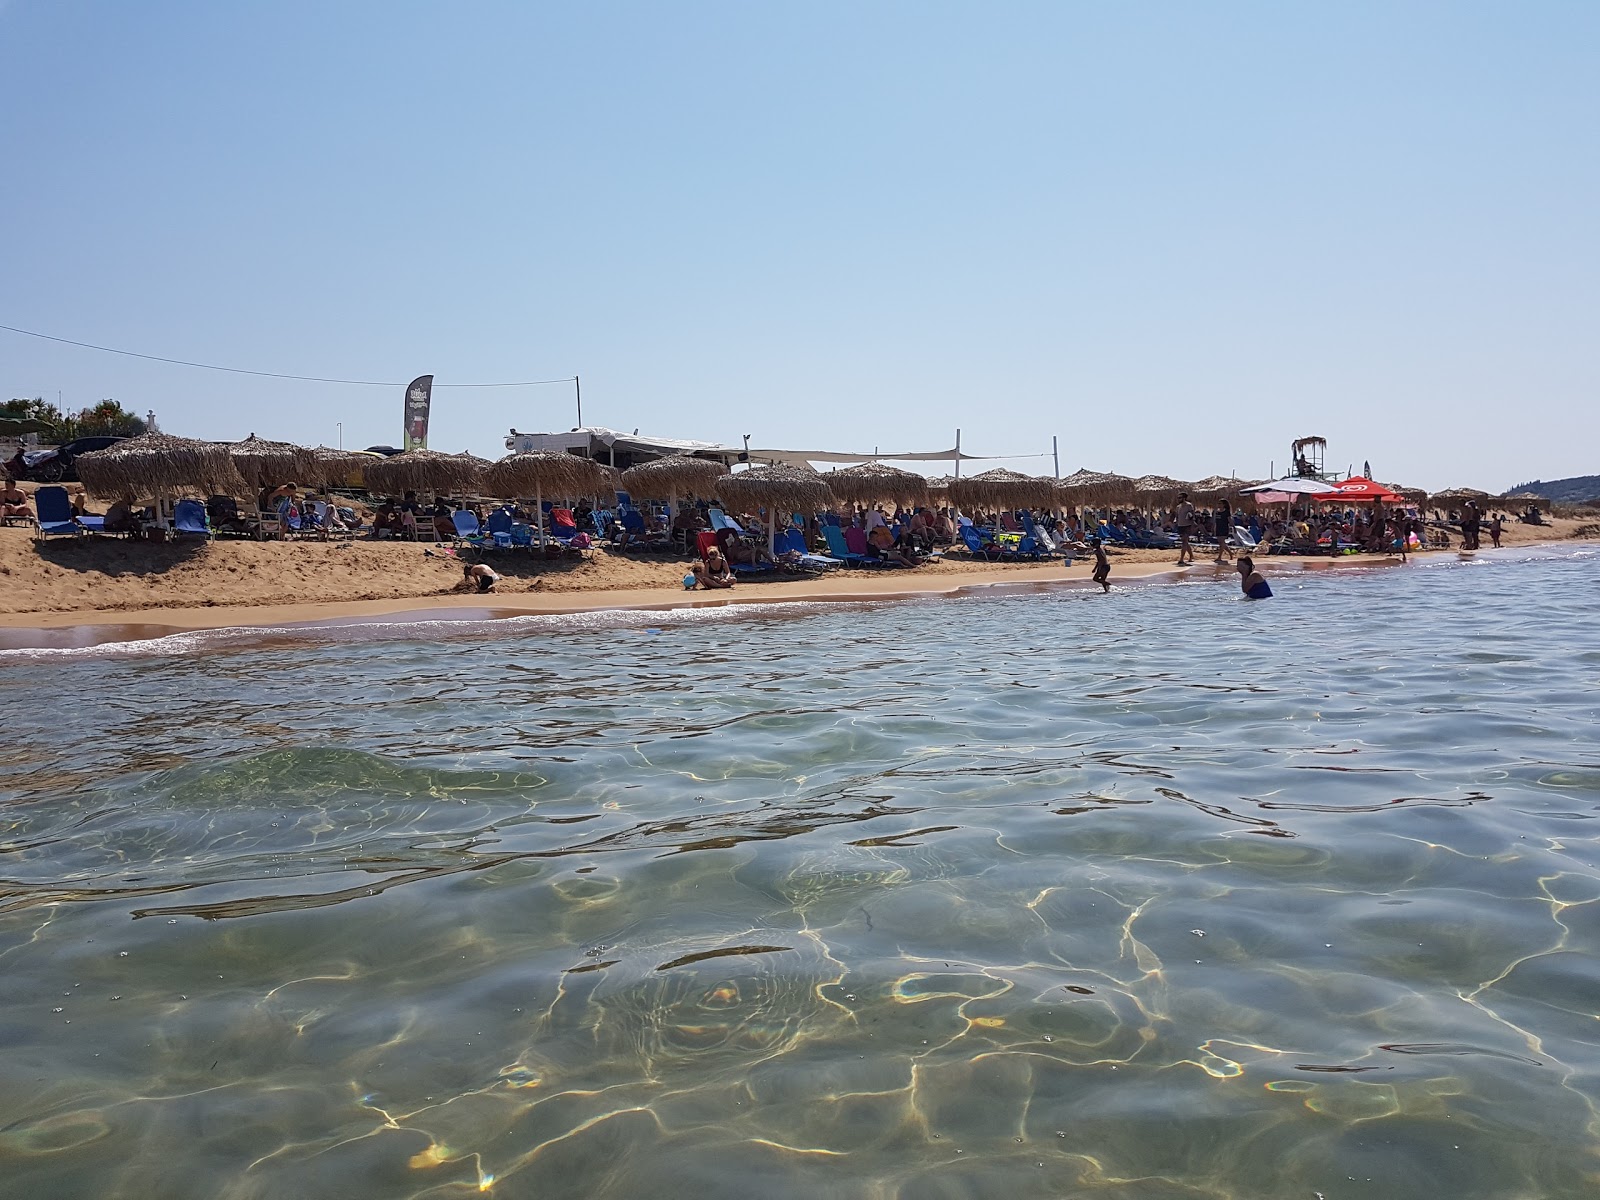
pixel 55 465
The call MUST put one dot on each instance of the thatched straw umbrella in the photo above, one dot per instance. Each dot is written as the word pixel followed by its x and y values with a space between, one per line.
pixel 1217 487
pixel 1454 497
pixel 425 471
pixel 531 473
pixel 1417 496
pixel 1000 489
pixel 939 487
pixel 1522 500
pixel 1098 488
pixel 872 483
pixel 668 478
pixel 156 464
pixel 268 464
pixel 793 489
pixel 335 468
pixel 1157 490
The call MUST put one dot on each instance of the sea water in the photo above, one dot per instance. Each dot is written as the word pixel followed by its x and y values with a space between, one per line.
pixel 1161 894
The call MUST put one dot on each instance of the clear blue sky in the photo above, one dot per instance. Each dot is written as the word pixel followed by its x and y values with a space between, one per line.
pixel 1175 234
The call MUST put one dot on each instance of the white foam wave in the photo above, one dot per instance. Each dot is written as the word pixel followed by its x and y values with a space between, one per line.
pixel 404 628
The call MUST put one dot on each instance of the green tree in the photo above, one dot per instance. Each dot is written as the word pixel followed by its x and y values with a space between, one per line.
pixel 107 418
pixel 38 408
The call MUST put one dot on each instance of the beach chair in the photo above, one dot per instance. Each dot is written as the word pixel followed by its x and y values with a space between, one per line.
pixel 1243 539
pixel 726 536
pixel 792 541
pixel 984 546
pixel 837 548
pixel 855 541
pixel 17 519
pixel 973 540
pixel 54 511
pixel 324 516
pixel 1044 544
pixel 189 520
pixel 222 512
pixel 468 531
pixel 563 525
pixel 269 525
pixel 500 524
pixel 418 529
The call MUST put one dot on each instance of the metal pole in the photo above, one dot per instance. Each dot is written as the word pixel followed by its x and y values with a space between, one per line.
pixel 339 425
pixel 958 454
pixel 1055 452
pixel 577 389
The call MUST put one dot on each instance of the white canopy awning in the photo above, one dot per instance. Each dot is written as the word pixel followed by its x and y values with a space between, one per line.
pixel 800 458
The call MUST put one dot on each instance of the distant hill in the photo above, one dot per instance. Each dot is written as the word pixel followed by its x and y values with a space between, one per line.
pixel 1564 491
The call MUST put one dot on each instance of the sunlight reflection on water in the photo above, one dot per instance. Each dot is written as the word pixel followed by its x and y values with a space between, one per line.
pixel 1150 895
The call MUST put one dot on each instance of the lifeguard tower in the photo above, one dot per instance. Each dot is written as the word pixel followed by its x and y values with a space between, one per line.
pixel 1306 458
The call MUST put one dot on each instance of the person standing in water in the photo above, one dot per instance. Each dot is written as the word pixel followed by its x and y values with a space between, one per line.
pixel 1251 582
pixel 1102 565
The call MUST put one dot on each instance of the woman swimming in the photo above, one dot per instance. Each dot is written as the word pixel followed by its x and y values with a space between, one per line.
pixel 1251 581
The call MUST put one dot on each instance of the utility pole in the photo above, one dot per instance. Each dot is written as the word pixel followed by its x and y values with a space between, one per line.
pixel 578 391
pixel 339 425
pixel 1055 453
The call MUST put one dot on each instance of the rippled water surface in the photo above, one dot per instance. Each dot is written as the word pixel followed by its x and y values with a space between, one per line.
pixel 1150 896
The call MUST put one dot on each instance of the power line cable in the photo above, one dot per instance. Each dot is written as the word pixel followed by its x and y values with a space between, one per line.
pixel 179 362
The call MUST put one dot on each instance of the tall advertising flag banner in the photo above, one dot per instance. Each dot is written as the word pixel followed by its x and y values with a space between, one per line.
pixel 419 396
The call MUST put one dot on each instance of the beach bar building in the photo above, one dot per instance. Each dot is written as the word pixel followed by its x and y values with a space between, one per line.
pixel 617 449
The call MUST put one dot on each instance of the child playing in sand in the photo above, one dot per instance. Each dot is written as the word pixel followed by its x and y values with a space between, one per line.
pixel 1102 565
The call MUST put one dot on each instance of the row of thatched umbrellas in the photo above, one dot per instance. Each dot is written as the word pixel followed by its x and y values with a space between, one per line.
pixel 159 464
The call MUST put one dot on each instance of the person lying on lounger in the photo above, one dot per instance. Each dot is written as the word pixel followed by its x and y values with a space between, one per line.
pixel 747 553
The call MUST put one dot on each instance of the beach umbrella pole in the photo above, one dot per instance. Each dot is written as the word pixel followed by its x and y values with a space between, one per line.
pixel 538 513
pixel 772 544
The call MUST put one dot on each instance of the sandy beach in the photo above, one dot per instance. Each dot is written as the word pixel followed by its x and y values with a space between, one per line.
pixel 107 589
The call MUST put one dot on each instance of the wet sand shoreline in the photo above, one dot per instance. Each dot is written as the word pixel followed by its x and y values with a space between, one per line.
pixel 91 627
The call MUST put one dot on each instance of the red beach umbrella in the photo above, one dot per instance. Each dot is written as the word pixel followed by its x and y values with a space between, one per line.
pixel 1357 488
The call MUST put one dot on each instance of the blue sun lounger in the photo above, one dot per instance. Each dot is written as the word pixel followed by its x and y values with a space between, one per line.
pixel 55 514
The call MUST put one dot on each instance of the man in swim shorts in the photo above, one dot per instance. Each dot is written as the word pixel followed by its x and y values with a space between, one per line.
pixel 1184 518
pixel 1251 582
pixel 484 576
